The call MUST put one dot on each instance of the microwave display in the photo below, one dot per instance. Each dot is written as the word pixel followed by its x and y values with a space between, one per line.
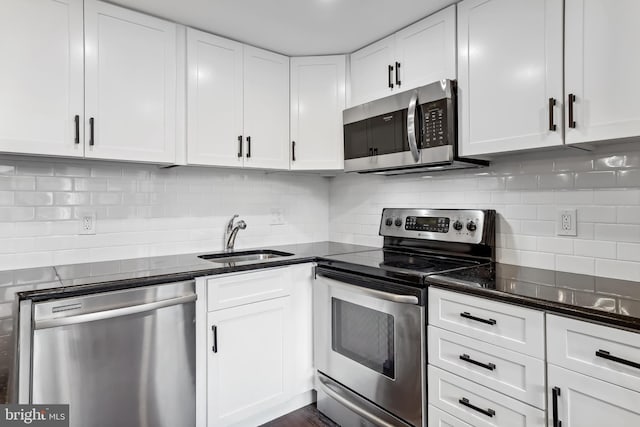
pixel 434 124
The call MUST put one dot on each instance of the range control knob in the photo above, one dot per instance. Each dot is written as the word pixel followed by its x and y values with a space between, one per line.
pixel 398 222
pixel 471 226
pixel 457 226
pixel 389 222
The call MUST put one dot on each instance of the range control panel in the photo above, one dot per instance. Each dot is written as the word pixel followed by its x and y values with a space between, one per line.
pixel 451 225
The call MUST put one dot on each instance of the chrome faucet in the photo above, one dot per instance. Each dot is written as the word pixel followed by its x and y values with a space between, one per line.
pixel 231 231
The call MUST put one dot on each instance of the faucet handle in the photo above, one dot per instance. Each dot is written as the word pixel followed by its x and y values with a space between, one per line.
pixel 230 223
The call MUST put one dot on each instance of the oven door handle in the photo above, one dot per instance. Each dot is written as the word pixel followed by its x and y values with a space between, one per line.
pixel 344 401
pixel 402 299
pixel 411 127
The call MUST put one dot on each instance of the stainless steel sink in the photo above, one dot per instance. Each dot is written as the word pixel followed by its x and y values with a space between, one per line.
pixel 244 256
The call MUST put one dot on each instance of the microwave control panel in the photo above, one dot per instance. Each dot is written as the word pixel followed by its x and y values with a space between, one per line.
pixel 434 124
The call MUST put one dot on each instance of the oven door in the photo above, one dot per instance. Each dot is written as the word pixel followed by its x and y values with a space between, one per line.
pixel 372 342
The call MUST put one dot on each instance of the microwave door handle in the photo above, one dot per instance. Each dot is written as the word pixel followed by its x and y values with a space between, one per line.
pixel 411 127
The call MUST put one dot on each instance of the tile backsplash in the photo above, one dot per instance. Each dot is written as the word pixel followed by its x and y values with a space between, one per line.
pixel 604 187
pixel 145 210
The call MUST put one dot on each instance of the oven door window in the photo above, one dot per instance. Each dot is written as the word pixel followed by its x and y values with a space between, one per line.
pixel 364 335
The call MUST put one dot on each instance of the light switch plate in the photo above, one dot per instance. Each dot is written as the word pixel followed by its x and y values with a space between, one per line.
pixel 567 222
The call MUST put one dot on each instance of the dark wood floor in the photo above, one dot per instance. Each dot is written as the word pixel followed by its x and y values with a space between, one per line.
pixel 303 417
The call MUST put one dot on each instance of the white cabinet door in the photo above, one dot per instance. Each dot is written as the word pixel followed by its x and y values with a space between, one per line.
pixel 587 402
pixel 214 97
pixel 41 77
pixel 426 51
pixel 372 71
pixel 130 93
pixel 266 109
pixel 602 69
pixel 509 67
pixel 248 369
pixel 317 101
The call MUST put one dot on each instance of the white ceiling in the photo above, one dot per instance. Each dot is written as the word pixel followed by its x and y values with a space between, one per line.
pixel 294 27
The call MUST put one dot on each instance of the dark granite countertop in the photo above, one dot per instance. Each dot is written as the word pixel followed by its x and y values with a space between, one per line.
pixel 610 301
pixel 78 279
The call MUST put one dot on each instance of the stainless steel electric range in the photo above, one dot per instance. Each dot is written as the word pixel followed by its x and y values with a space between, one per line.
pixel 369 313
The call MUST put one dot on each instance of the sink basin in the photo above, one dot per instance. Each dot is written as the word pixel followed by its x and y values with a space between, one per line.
pixel 244 256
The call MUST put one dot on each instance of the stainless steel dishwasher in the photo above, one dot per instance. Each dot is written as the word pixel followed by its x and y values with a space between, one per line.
pixel 122 358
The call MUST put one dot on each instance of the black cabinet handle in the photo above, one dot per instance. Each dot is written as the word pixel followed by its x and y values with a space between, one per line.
pixel 91 140
pixel 370 151
pixel 467 358
pixel 375 151
pixel 488 412
pixel 398 82
pixel 606 355
pixel 77 122
pixel 293 151
pixel 466 315
pixel 572 100
pixel 214 347
pixel 239 146
pixel 556 393
pixel 552 125
pixel 389 75
pixel 248 147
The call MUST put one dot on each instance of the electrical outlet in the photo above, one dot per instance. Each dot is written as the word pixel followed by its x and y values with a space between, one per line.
pixel 567 222
pixel 277 216
pixel 88 223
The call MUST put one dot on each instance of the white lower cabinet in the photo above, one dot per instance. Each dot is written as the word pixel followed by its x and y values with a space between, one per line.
pixel 254 345
pixel 248 366
pixel 583 401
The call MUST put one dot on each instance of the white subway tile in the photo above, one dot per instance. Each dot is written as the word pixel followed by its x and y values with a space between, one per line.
pixel 555 245
pixel 613 197
pixel 594 248
pixel 623 270
pixel 617 232
pixel 605 214
pixel 595 179
pixel 45 183
pixel 629 252
pixel 575 264
pixel 522 182
pixel 578 197
pixel 628 215
pixel 521 212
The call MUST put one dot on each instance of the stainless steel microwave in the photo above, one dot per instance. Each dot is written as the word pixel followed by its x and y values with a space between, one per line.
pixel 409 132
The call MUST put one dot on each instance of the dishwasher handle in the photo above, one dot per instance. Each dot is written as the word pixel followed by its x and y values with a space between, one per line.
pixel 109 314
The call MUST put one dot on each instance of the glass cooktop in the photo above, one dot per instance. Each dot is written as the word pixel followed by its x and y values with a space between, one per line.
pixel 397 265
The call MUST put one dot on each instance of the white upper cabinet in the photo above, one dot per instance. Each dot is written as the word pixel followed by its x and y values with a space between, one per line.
pixel 509 75
pixel 214 98
pixel 266 109
pixel 426 51
pixel 372 71
pixel 420 54
pixel 602 69
pixel 41 77
pixel 317 101
pixel 130 86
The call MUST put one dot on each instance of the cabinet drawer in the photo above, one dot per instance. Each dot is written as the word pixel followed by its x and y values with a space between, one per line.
pixel 438 418
pixel 609 354
pixel 478 405
pixel 505 325
pixel 514 374
pixel 244 288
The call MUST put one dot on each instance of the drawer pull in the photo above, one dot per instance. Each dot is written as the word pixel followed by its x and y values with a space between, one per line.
pixel 467 315
pixel 488 412
pixel 556 420
pixel 214 347
pixel 608 356
pixel 467 358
